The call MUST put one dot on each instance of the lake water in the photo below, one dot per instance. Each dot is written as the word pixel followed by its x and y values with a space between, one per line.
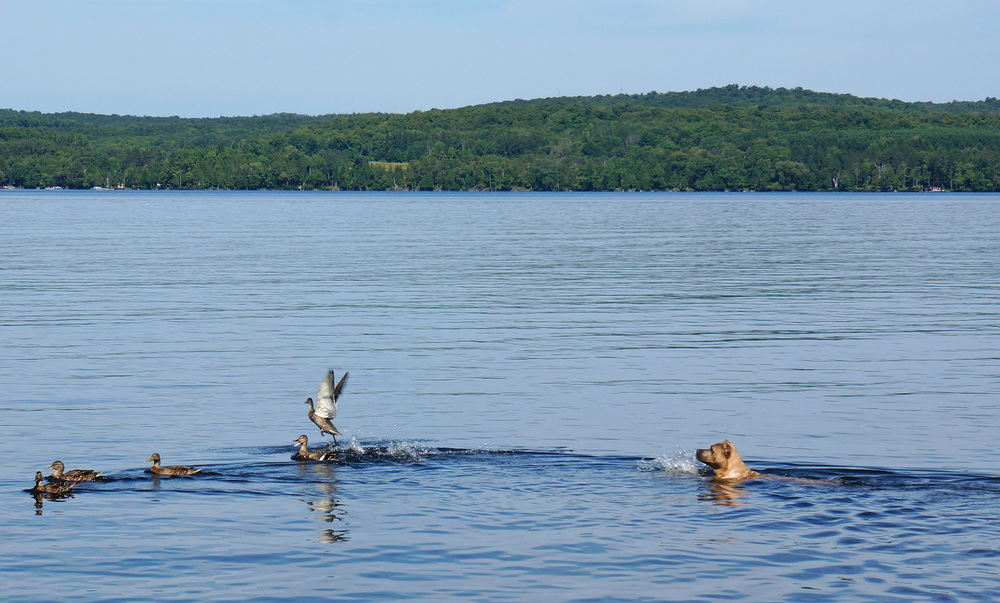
pixel 530 375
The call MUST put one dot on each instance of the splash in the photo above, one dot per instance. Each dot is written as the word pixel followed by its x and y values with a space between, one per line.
pixel 412 451
pixel 355 446
pixel 679 461
pixel 406 451
pixel 394 451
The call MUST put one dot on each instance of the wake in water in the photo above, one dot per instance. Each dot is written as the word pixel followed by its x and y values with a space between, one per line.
pixel 355 451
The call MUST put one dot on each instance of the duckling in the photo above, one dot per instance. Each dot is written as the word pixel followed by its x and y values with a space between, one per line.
pixel 304 454
pixel 326 405
pixel 170 469
pixel 53 488
pixel 75 475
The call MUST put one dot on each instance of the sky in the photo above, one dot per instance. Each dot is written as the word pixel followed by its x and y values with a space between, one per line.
pixel 209 58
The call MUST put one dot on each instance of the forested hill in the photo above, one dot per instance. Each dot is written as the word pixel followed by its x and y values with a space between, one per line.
pixel 728 138
pixel 763 96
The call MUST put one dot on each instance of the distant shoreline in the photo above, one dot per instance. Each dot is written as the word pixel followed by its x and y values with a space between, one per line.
pixel 720 139
pixel 5 189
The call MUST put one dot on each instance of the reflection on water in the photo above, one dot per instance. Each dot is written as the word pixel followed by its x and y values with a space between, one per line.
pixel 720 493
pixel 39 497
pixel 157 480
pixel 326 507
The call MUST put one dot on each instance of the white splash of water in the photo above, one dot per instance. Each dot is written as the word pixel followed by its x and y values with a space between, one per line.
pixel 355 446
pixel 408 451
pixel 679 461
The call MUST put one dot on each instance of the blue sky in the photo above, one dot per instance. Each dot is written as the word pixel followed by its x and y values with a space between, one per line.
pixel 206 58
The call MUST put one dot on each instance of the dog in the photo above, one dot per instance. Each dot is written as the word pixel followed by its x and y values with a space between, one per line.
pixel 726 462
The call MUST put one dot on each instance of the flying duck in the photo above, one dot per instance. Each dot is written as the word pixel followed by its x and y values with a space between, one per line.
pixel 326 405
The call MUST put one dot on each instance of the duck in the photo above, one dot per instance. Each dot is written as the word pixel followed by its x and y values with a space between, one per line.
pixel 304 454
pixel 74 475
pixel 326 405
pixel 170 469
pixel 324 424
pixel 59 487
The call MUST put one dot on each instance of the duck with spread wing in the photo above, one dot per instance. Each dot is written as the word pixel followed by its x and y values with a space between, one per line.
pixel 326 405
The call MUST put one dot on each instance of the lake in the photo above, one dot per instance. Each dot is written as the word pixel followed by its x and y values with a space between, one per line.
pixel 530 376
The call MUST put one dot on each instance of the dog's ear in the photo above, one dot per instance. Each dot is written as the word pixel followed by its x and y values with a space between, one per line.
pixel 727 448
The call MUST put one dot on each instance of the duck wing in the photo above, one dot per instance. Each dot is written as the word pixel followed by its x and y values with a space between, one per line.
pixel 326 397
pixel 340 385
pixel 81 475
pixel 178 470
pixel 322 455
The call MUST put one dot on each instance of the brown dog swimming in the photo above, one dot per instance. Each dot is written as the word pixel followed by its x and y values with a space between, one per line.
pixel 726 462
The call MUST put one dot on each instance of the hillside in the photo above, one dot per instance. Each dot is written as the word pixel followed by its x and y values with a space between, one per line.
pixel 763 96
pixel 729 138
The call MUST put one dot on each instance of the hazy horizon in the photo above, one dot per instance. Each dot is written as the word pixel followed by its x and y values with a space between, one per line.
pixel 211 58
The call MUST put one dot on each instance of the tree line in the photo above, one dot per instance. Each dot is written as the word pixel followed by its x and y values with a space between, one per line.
pixel 729 138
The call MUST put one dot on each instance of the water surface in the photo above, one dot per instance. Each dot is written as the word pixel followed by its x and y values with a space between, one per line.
pixel 530 376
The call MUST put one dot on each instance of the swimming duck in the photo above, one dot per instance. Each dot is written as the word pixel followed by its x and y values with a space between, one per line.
pixel 170 469
pixel 53 488
pixel 304 454
pixel 74 475
pixel 326 405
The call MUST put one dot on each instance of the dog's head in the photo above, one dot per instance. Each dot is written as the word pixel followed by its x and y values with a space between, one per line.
pixel 720 456
pixel 726 462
